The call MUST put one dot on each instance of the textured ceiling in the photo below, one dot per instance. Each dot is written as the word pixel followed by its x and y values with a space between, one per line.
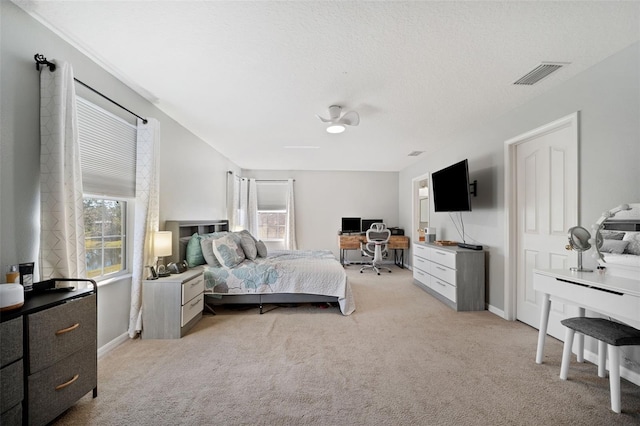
pixel 249 77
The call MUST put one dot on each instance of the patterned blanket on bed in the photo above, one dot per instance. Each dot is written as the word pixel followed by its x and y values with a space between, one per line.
pixel 299 271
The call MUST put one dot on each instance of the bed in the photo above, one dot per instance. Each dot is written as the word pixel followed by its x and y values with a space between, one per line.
pixel 277 277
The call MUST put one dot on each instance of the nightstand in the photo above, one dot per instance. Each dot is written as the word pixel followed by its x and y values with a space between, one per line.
pixel 172 305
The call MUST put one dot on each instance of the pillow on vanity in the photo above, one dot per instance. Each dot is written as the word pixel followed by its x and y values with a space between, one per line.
pixel 613 246
pixel 227 251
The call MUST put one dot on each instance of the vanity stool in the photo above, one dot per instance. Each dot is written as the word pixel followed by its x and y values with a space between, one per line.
pixel 610 335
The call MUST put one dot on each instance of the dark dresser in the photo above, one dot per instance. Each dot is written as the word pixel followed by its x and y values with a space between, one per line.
pixel 48 352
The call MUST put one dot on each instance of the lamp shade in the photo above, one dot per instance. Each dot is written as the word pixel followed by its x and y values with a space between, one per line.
pixel 162 243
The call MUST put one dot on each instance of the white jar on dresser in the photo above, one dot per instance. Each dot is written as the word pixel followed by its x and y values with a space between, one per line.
pixel 452 274
pixel 172 305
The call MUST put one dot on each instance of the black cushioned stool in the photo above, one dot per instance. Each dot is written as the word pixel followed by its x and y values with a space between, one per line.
pixel 610 335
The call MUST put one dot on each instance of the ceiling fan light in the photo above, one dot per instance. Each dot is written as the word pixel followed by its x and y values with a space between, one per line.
pixel 336 128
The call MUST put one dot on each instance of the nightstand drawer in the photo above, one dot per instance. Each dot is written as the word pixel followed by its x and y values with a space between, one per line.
pixel 192 288
pixel 53 390
pixel 60 331
pixel 444 258
pixel 192 308
pixel 443 273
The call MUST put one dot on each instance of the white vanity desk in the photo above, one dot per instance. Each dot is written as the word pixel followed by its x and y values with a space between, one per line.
pixel 613 296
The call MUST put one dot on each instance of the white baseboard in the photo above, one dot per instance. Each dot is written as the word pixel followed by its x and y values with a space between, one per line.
pixel 496 311
pixel 105 349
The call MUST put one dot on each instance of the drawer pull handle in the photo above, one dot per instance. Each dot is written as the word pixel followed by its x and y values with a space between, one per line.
pixel 68 329
pixel 442 284
pixel 64 385
pixel 195 283
pixel 195 303
pixel 442 269
pixel 441 253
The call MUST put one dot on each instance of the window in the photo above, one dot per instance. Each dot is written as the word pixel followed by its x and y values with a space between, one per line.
pixel 272 210
pixel 105 237
pixel 272 225
pixel 108 162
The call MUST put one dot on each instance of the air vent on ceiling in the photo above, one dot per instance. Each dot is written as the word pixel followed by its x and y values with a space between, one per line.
pixel 415 153
pixel 538 73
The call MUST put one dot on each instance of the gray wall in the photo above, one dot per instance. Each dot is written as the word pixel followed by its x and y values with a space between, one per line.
pixel 607 97
pixel 323 198
pixel 192 177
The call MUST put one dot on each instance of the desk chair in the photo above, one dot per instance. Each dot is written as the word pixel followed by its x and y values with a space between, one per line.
pixel 376 246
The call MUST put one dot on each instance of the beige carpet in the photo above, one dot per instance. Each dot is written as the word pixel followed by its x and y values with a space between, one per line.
pixel 401 358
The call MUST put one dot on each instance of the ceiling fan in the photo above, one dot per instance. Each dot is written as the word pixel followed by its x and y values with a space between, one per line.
pixel 337 122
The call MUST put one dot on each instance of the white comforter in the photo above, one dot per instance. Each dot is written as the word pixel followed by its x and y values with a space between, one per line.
pixel 299 271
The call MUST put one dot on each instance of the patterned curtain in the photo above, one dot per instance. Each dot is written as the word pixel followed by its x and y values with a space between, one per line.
pixel 62 250
pixel 252 209
pixel 146 216
pixel 290 233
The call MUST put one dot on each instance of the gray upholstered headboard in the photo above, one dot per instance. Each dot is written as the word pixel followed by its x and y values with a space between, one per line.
pixel 182 230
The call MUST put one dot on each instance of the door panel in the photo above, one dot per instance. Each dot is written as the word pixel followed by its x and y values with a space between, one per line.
pixel 546 205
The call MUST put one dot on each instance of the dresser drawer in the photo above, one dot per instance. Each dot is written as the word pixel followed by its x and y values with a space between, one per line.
pixel 54 389
pixel 422 251
pixel 420 263
pixel 192 288
pixel 12 417
pixel 10 341
pixel 443 273
pixel 421 276
pixel 11 386
pixel 60 331
pixel 444 258
pixel 191 309
pixel 445 289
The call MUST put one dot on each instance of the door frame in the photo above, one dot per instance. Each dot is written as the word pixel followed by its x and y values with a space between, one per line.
pixel 415 203
pixel 511 230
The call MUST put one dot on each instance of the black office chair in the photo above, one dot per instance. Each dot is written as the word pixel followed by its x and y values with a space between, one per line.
pixel 376 246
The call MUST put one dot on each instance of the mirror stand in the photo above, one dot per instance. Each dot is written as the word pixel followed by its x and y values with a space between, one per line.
pixel 579 268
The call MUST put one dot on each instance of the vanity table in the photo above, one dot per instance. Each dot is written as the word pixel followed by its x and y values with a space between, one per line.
pixel 613 296
pixel 614 293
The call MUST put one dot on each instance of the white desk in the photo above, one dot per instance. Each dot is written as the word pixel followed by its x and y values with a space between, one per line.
pixel 616 297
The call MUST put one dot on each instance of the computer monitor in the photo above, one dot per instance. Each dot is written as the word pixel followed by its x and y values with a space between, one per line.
pixel 366 223
pixel 350 224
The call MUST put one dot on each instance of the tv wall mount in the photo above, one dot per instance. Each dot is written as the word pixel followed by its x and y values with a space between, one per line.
pixel 474 188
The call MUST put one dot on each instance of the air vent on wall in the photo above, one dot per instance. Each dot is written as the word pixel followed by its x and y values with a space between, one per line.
pixel 415 153
pixel 538 73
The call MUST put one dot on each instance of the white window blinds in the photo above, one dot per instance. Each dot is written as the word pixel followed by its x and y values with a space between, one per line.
pixel 107 152
pixel 272 195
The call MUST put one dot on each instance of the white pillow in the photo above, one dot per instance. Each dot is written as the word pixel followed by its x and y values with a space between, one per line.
pixel 614 246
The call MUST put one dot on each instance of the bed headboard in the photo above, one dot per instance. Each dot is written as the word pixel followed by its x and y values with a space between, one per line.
pixel 182 230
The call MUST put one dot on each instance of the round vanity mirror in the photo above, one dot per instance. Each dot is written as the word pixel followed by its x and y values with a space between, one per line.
pixel 579 241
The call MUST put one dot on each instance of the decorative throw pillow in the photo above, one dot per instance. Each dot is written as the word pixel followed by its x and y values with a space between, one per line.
pixel 611 235
pixel 614 246
pixel 261 248
pixel 207 248
pixel 228 251
pixel 248 244
pixel 634 242
pixel 194 255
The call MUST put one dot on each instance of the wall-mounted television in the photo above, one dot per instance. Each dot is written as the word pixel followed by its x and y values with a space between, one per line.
pixel 350 224
pixel 366 223
pixel 450 186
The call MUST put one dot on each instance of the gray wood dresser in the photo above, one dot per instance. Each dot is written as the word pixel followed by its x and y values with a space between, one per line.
pixel 48 354
pixel 172 305
pixel 451 274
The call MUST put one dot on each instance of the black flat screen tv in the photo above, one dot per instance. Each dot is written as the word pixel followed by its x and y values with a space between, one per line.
pixel 450 186
pixel 350 224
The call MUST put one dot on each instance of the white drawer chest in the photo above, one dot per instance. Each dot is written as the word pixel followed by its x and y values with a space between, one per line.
pixel 172 305
pixel 452 274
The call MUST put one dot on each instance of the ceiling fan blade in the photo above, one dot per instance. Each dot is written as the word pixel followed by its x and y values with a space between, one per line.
pixel 351 118
pixel 324 120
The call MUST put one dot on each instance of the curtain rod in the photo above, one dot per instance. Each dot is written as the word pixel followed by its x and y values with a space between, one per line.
pixel 258 180
pixel 41 60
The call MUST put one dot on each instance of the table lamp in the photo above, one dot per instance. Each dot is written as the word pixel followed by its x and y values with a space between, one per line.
pixel 161 248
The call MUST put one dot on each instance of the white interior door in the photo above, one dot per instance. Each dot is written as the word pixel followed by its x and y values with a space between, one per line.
pixel 546 207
